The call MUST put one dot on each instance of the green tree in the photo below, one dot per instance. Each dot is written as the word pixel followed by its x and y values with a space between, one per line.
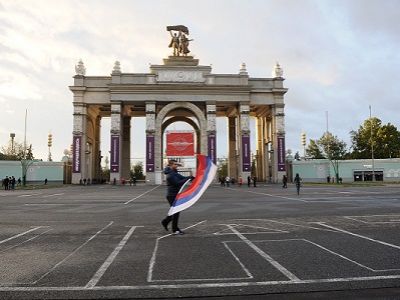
pixel 314 150
pixel 385 140
pixel 361 139
pixel 137 171
pixel 12 151
pixel 334 149
pixel 222 169
pixel 388 137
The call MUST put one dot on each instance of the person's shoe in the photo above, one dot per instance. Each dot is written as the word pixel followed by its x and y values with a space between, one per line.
pixel 164 223
pixel 178 232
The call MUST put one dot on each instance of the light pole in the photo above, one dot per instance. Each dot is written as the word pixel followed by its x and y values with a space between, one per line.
pixel 372 146
pixel 12 136
pixel 49 144
pixel 303 143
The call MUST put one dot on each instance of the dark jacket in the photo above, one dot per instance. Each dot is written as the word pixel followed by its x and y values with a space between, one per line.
pixel 174 181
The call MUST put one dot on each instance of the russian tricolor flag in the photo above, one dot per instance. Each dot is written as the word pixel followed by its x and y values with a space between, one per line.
pixel 205 174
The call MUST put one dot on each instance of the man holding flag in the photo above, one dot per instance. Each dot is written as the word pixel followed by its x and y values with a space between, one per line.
pixel 174 183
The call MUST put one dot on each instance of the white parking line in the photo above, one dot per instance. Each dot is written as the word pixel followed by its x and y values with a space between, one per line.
pixel 359 235
pixel 73 252
pixel 142 194
pixel 271 195
pixel 264 255
pixel 28 240
pixel 47 196
pixel 21 234
pixel 154 255
pixel 348 259
pixel 100 272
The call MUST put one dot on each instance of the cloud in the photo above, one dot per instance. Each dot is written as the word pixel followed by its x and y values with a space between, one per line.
pixel 338 56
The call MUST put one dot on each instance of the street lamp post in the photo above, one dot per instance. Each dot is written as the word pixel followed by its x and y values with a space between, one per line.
pixel 372 146
pixel 12 136
pixel 49 144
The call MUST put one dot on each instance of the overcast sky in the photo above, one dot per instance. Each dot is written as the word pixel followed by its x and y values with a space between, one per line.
pixel 337 56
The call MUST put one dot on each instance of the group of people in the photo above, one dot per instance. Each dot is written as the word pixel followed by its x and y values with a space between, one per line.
pixel 227 181
pixel 9 182
pixel 296 180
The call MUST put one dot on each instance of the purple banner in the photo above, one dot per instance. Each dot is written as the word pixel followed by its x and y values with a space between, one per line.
pixel 114 154
pixel 76 154
pixel 150 153
pixel 281 154
pixel 246 166
pixel 212 153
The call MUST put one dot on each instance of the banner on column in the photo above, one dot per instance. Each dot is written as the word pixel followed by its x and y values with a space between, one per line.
pixel 281 154
pixel 180 143
pixel 76 155
pixel 150 154
pixel 246 166
pixel 114 153
pixel 212 153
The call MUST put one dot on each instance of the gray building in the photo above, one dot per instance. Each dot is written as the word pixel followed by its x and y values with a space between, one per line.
pixel 317 170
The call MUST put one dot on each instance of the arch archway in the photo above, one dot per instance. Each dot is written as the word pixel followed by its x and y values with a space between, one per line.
pixel 190 109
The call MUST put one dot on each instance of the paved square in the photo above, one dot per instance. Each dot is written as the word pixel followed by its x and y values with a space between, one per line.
pixel 107 241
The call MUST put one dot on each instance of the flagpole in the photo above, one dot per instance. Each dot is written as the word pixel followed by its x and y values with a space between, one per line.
pixel 26 115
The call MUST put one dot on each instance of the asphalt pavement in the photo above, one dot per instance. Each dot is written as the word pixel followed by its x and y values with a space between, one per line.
pixel 106 242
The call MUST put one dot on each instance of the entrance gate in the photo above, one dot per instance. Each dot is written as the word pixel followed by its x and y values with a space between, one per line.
pixel 179 89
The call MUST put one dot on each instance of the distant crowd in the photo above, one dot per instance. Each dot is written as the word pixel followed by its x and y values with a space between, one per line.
pixel 9 183
pixel 227 181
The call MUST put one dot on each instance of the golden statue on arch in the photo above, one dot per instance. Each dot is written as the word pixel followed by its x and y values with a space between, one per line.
pixel 179 40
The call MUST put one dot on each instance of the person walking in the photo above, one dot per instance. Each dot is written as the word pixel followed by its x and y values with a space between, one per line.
pixel 297 181
pixel 174 184
pixel 284 181
pixel 255 181
pixel 248 181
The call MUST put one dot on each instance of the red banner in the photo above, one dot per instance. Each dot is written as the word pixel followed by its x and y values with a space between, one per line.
pixel 180 144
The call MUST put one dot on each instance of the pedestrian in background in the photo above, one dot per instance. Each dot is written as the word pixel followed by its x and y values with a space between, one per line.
pixel 284 181
pixel 297 181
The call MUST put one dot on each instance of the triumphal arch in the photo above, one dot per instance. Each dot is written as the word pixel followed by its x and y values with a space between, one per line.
pixel 180 89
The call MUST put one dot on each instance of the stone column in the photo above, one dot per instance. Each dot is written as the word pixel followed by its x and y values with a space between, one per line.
pixel 260 149
pixel 245 159
pixel 153 147
pixel 96 151
pixel 126 147
pixel 79 142
pixel 232 149
pixel 279 166
pixel 115 132
pixel 211 132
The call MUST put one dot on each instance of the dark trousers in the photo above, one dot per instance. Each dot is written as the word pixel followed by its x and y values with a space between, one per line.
pixel 175 217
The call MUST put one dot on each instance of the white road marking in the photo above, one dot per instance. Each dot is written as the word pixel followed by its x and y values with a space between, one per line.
pixel 249 275
pixel 264 255
pixel 287 223
pixel 73 252
pixel 29 195
pixel 359 219
pixel 21 234
pixel 154 255
pixel 224 231
pixel 28 240
pixel 359 235
pixel 271 195
pixel 100 272
pixel 199 285
pixel 348 259
pixel 141 195
pixel 47 196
